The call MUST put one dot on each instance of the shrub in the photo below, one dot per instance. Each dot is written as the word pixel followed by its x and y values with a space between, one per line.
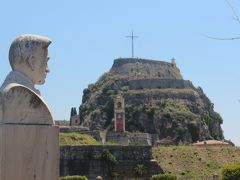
pixel 139 170
pixel 115 175
pixel 109 157
pixel 110 161
pixel 164 177
pixel 231 171
pixel 74 178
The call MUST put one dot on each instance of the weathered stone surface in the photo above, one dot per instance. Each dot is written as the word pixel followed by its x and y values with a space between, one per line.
pixel 23 106
pixel 135 68
pixel 88 161
pixel 159 84
pixel 29 152
pixel 1 108
pixel 126 138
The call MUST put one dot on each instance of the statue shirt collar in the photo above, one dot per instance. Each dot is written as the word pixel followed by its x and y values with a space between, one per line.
pixel 19 78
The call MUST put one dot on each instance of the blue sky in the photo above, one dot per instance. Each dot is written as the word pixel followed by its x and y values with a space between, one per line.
pixel 88 35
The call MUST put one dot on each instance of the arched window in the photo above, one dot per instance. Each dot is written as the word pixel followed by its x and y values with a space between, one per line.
pixel 119 104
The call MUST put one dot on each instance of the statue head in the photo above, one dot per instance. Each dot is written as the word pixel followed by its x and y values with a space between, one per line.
pixel 28 55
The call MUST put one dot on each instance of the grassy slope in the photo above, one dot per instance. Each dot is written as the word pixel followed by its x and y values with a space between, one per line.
pixel 189 162
pixel 77 139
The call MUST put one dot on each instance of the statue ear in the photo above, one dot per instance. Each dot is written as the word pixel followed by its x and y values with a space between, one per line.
pixel 30 62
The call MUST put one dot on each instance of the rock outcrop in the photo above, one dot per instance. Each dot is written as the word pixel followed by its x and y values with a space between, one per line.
pixel 158 101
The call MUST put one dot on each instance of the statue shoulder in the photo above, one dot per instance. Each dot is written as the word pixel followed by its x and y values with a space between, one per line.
pixel 21 105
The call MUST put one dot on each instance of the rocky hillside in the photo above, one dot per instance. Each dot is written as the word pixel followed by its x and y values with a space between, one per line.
pixel 157 100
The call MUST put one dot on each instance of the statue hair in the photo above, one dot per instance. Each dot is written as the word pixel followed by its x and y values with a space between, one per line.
pixel 24 46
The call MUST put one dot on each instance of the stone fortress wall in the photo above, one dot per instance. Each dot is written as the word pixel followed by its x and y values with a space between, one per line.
pixel 135 68
pixel 136 84
pixel 88 161
pixel 148 74
pixel 126 138
pixel 159 84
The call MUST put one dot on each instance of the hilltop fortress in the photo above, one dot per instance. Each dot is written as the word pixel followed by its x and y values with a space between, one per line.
pixel 135 68
pixel 158 101
pixel 142 73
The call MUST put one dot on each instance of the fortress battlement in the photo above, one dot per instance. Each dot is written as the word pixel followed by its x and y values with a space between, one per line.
pixel 121 61
pixel 159 84
pixel 136 68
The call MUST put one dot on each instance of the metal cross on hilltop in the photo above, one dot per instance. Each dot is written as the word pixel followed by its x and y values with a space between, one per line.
pixel 132 37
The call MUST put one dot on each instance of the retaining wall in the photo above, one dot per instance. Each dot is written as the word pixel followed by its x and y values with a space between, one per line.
pixel 88 161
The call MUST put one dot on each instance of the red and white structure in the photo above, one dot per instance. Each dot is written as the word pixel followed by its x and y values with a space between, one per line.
pixel 119 114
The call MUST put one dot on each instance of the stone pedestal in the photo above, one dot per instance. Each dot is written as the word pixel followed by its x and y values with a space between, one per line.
pixel 29 152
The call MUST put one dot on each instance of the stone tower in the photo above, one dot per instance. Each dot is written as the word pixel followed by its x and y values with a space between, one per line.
pixel 74 117
pixel 119 114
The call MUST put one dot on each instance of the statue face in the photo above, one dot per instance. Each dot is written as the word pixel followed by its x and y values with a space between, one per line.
pixel 40 66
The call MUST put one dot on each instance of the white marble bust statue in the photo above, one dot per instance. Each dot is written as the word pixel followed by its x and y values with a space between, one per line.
pixel 21 102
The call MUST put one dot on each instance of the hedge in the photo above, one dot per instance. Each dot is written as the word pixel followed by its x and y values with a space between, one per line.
pixel 231 171
pixel 74 178
pixel 164 177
